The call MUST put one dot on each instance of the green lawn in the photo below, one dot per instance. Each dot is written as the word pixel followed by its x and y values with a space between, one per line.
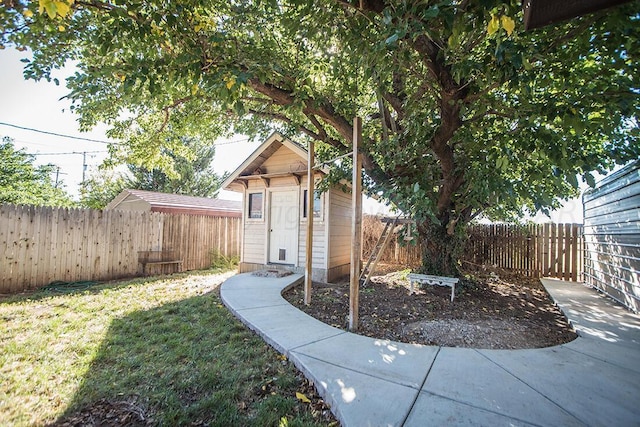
pixel 156 351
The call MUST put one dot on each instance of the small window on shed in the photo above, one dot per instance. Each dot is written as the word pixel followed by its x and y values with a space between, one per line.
pixel 317 205
pixel 255 205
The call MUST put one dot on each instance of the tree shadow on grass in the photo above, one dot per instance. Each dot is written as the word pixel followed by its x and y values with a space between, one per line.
pixel 188 362
pixel 80 288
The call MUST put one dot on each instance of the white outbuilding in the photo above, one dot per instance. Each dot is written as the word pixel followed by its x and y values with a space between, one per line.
pixel 273 182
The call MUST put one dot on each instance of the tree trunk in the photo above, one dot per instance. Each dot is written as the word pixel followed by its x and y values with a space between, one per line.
pixel 441 250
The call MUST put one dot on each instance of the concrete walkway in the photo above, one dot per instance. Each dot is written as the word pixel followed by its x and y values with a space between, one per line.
pixel 592 381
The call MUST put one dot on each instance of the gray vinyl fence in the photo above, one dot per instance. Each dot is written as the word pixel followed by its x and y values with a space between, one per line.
pixel 612 236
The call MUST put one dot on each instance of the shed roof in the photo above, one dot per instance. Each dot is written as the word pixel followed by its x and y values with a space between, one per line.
pixel 250 168
pixel 538 13
pixel 261 154
pixel 165 202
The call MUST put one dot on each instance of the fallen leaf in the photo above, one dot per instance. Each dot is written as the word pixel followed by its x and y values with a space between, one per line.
pixel 301 397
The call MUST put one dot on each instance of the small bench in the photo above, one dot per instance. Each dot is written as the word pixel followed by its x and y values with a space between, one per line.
pixel 147 258
pixel 434 280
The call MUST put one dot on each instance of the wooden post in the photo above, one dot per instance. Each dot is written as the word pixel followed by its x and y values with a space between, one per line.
pixel 309 243
pixel 356 227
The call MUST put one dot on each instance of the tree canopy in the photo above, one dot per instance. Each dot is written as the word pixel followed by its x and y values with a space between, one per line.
pixel 465 113
pixel 190 174
pixel 23 183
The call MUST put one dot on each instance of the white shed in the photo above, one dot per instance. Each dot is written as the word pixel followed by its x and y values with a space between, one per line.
pixel 273 181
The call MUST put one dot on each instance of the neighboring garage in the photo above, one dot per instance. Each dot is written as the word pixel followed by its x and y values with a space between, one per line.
pixel 151 201
pixel 612 236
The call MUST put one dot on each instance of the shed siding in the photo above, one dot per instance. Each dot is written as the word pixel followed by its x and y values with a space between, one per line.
pixel 254 243
pixel 284 160
pixel 255 184
pixel 340 212
pixel 612 236
pixel 132 203
pixel 287 181
pixel 319 244
pixel 319 234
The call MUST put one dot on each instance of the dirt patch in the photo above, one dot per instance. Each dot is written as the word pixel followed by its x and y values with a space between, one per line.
pixel 491 310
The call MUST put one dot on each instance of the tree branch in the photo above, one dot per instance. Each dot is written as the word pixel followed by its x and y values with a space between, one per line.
pixel 167 112
pixel 284 119
pixel 376 6
pixel 470 98
pixel 396 103
pixel 586 23
pixel 323 110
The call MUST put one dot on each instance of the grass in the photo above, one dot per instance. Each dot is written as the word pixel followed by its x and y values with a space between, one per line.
pixel 165 348
pixel 222 261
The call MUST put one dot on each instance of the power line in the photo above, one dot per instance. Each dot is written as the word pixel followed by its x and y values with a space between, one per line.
pixel 234 141
pixel 57 134
pixel 72 152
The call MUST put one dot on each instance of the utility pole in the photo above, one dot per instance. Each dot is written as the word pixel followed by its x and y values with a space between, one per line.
pixel 84 164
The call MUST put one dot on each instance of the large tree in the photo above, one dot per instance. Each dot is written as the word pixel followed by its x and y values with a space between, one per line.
pixel 193 175
pixel 24 183
pixel 464 111
pixel 190 173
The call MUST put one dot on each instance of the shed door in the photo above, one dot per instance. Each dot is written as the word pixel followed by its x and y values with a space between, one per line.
pixel 283 231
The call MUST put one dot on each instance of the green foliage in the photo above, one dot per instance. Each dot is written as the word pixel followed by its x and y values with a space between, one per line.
pixel 188 172
pixel 23 183
pixel 102 187
pixel 191 173
pixel 464 112
pixel 224 262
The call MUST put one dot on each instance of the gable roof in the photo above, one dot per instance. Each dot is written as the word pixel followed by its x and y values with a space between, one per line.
pixel 250 168
pixel 261 154
pixel 177 203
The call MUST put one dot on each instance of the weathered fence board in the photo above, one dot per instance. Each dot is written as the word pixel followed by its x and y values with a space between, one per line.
pixel 551 250
pixel 41 244
pixel 537 250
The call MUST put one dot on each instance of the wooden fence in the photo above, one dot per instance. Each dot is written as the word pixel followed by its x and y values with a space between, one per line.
pixel 537 250
pixel 397 252
pixel 39 245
